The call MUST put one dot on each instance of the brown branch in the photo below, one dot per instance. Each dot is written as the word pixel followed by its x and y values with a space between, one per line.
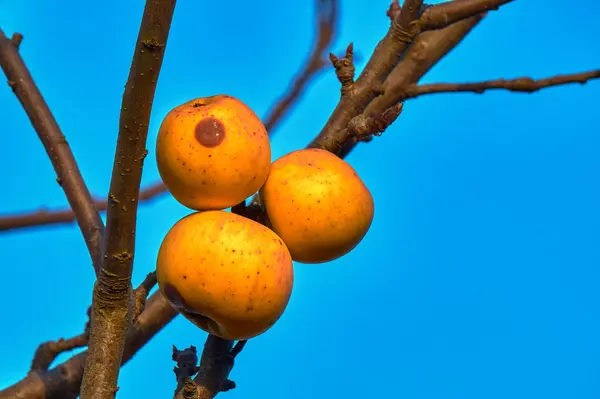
pixel 112 305
pixel 327 27
pixel 44 217
pixel 47 352
pixel 56 146
pixel 369 84
pixel 215 365
pixel 141 294
pixel 64 380
pixel 444 14
pixel 429 48
pixel 523 85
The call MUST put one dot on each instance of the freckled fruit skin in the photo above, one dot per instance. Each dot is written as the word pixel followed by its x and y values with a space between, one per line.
pixel 227 274
pixel 212 152
pixel 317 204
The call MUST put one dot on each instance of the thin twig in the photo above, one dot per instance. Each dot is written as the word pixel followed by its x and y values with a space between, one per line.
pixel 327 28
pixel 58 150
pixel 48 351
pixel 444 14
pixel 141 293
pixel 522 85
pixel 50 217
pixel 112 305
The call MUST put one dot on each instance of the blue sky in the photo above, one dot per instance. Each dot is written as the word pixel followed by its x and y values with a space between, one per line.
pixel 479 275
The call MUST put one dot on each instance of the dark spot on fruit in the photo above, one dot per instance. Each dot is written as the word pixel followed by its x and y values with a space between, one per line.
pixel 197 105
pixel 210 132
pixel 175 298
pixel 185 277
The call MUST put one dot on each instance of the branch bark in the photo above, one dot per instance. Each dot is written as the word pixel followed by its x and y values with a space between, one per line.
pixel 56 146
pixel 44 217
pixel 429 48
pixel 64 380
pixel 522 85
pixel 369 84
pixel 112 304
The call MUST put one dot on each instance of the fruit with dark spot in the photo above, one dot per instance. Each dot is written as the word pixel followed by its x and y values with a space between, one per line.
pixel 317 204
pixel 227 274
pixel 212 152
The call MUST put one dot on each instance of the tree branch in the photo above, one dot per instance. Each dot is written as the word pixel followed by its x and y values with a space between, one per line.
pixel 523 85
pixel 43 217
pixel 64 380
pixel 327 27
pixel 444 14
pixel 369 84
pixel 429 48
pixel 112 305
pixel 58 150
pixel 48 351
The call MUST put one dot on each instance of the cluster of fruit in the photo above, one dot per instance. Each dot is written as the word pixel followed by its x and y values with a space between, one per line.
pixel 226 273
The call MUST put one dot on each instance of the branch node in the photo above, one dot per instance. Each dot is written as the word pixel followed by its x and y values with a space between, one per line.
pixel 363 127
pixel 344 69
pixel 187 366
pixel 16 39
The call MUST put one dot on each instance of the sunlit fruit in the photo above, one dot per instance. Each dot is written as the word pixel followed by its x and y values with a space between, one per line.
pixel 227 274
pixel 212 152
pixel 317 204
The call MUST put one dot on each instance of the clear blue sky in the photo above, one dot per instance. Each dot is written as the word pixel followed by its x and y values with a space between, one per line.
pixel 479 277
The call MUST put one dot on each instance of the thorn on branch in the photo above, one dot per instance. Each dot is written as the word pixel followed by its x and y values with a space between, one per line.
pixel 16 39
pixel 141 293
pixel 344 69
pixel 186 368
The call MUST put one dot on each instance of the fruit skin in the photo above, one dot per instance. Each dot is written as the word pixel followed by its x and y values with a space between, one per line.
pixel 317 204
pixel 227 274
pixel 212 152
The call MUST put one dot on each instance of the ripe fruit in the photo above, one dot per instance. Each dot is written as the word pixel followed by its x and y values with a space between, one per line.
pixel 212 152
pixel 227 274
pixel 317 204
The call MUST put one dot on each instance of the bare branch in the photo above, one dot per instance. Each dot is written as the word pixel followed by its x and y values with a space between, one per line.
pixel 141 293
pixel 238 347
pixel 523 85
pixel 444 14
pixel 48 351
pixel 215 365
pixel 64 380
pixel 112 305
pixel 327 27
pixel 58 150
pixel 369 84
pixel 45 218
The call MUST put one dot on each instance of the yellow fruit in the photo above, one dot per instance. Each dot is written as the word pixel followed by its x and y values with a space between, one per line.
pixel 212 152
pixel 317 204
pixel 227 274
